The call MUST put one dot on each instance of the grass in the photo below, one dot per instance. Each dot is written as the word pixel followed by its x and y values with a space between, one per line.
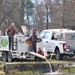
pixel 54 61
pixel 2 73
pixel 25 73
pixel 68 70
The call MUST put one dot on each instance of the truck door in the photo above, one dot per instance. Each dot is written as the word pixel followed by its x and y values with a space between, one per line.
pixel 41 44
pixel 49 41
pixel 46 41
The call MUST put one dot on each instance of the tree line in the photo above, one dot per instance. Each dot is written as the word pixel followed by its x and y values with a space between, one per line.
pixel 42 14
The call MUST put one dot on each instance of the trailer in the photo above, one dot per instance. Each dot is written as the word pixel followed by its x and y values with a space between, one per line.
pixel 21 47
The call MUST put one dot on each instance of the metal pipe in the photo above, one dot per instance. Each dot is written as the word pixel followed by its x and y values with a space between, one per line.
pixel 38 55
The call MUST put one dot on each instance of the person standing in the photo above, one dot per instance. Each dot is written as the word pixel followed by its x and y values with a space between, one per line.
pixel 34 39
pixel 11 31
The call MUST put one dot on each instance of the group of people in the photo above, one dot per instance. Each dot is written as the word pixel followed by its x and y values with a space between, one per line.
pixel 11 31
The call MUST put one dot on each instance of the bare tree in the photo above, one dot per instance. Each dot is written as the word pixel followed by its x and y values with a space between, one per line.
pixel 22 11
pixel 40 13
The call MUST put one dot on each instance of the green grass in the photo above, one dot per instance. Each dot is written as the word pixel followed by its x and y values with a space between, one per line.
pixel 70 70
pixel 26 73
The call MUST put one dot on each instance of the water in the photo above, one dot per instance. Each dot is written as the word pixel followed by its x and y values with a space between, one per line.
pixel 53 73
pixel 51 70
pixel 49 65
pixel 42 57
pixel 56 72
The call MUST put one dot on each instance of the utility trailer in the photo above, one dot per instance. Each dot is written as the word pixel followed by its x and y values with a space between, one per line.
pixel 21 47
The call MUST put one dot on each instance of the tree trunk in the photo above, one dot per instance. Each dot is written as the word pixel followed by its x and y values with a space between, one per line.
pixel 22 12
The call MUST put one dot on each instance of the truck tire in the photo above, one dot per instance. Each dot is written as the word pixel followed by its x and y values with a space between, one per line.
pixel 58 55
pixel 4 56
pixel 9 56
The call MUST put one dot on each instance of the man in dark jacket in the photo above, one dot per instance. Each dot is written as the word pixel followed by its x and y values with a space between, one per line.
pixel 34 39
pixel 11 32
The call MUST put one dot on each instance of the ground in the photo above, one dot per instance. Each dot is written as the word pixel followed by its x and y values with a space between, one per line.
pixel 36 67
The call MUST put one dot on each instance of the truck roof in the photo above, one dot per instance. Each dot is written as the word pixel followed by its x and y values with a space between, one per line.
pixel 61 30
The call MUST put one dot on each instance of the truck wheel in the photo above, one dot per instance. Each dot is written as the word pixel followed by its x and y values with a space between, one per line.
pixel 58 55
pixel 9 57
pixel 4 56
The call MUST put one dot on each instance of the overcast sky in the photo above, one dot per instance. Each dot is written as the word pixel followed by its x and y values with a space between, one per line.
pixel 37 0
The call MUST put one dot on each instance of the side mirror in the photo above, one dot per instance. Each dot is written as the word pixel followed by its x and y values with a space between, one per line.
pixel 39 40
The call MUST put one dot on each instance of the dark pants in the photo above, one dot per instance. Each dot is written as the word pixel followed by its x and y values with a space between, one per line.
pixel 34 46
pixel 34 49
pixel 11 42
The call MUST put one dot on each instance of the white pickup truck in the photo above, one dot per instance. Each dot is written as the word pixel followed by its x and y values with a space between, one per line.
pixel 61 42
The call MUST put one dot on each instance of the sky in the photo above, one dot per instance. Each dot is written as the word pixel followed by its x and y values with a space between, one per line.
pixel 37 0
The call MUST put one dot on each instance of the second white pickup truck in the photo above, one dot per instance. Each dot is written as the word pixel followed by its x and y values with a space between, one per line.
pixel 61 42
